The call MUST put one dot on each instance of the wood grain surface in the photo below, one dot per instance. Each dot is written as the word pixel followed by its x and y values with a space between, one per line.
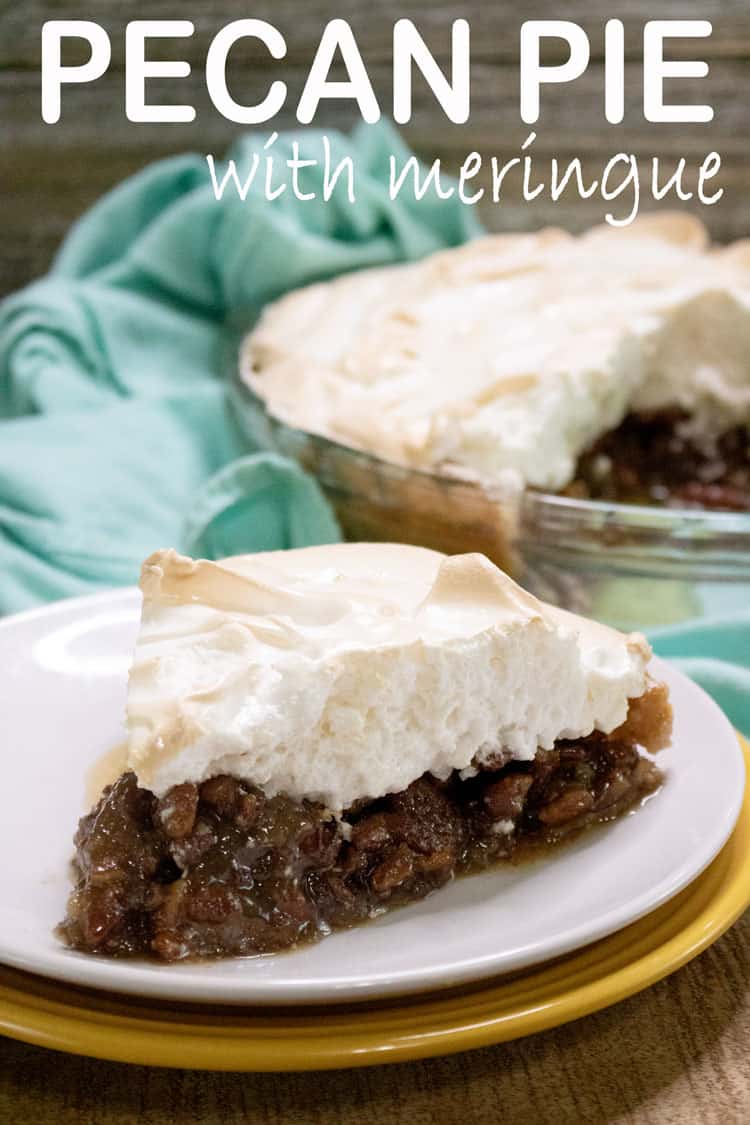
pixel 676 1054
pixel 49 174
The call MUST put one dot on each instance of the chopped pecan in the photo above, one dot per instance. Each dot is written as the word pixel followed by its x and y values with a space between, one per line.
pixel 177 810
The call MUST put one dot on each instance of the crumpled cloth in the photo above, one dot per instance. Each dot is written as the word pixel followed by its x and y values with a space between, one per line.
pixel 116 429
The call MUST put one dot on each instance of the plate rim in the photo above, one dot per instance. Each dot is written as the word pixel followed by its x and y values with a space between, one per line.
pixel 116 1028
pixel 354 989
pixel 49 609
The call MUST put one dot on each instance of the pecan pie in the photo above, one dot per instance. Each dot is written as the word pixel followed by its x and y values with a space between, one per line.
pixel 318 735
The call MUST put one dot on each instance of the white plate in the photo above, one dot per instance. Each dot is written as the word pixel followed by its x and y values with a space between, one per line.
pixel 62 687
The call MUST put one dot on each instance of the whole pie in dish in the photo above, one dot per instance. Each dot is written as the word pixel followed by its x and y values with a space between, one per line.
pixel 315 736
pixel 613 365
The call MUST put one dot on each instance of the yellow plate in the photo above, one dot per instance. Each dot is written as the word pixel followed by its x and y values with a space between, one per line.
pixel 109 1027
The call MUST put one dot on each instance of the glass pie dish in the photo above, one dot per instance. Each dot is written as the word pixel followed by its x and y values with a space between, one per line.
pixel 628 565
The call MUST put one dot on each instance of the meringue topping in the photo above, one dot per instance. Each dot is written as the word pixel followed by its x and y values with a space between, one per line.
pixel 344 672
pixel 507 357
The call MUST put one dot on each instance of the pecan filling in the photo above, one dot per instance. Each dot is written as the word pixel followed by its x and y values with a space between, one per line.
pixel 221 869
pixel 659 459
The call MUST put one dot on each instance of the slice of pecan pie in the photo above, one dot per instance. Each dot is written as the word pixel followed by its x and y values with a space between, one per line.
pixel 318 735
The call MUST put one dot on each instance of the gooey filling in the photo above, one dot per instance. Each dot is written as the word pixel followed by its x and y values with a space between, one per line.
pixel 659 458
pixel 221 869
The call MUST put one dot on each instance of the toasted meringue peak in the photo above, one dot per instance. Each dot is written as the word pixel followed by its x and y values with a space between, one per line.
pixel 513 353
pixel 344 672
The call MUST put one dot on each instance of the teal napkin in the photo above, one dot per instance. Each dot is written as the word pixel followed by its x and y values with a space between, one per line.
pixel 715 652
pixel 116 432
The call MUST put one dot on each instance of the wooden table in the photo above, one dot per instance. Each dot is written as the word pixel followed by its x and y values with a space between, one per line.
pixel 677 1053
pixel 49 174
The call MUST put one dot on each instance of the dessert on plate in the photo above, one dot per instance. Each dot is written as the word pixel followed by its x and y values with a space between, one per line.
pixel 613 365
pixel 315 736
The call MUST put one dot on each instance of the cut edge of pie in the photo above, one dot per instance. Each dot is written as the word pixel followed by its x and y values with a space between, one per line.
pixel 219 869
